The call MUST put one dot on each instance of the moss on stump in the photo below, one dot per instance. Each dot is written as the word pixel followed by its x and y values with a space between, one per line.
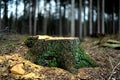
pixel 62 52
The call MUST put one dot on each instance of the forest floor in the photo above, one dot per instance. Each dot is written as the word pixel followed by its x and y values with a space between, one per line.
pixel 13 51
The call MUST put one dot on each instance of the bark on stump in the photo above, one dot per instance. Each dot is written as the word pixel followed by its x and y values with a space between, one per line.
pixel 63 52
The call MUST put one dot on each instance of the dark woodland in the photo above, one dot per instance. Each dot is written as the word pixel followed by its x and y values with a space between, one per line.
pixel 59 39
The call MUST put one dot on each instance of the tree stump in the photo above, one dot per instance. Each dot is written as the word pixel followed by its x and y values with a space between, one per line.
pixel 62 52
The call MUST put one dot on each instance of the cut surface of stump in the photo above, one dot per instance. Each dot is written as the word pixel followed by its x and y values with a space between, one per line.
pixel 62 52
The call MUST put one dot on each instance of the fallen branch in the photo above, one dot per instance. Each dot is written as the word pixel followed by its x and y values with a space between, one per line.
pixel 111 62
pixel 112 73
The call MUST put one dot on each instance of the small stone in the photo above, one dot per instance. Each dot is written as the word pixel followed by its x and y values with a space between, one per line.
pixel 2 59
pixel 18 69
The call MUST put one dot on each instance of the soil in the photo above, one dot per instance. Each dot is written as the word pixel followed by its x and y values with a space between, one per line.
pixel 13 51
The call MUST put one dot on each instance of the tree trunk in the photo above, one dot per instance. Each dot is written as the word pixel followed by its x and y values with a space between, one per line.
pixel 35 18
pixel 63 52
pixel 30 18
pixel 38 3
pixel 98 16
pixel 72 18
pixel 64 21
pixel 50 8
pixel 84 28
pixel 45 18
pixel 16 15
pixel 113 21
pixel 25 4
pixel 5 17
pixel 67 20
pixel 90 19
pixel 56 22
pixel 103 8
pixel 60 20
pixel 119 20
pixel 80 19
pixel 0 16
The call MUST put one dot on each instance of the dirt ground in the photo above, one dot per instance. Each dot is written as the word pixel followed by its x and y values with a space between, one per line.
pixel 13 51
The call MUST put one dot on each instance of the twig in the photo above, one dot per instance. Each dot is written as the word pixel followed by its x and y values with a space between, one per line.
pixel 111 62
pixel 113 71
